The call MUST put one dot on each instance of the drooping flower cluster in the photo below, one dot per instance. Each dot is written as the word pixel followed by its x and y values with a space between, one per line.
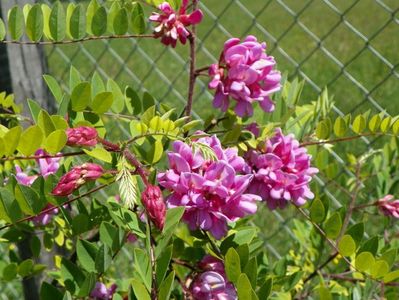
pixel 245 73
pixel 47 166
pixel 282 171
pixel 173 24
pixel 211 190
pixel 101 292
pixel 389 207
pixel 212 283
pixel 154 204
pixel 82 136
pixel 77 177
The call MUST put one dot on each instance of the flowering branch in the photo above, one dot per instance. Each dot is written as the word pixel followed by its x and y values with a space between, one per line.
pixel 50 209
pixel 90 38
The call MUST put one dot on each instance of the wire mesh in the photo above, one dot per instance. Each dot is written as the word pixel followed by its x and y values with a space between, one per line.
pixel 350 47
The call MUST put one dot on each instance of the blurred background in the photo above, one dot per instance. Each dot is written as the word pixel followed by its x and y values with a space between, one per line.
pixel 349 46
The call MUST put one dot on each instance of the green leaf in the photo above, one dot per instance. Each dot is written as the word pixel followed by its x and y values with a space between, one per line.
pixel 356 232
pixel 322 130
pixel 72 275
pixel 157 151
pixel 317 211
pixel 166 286
pixel 81 96
pixel 143 267
pixel 10 272
pixel 50 292
pixel 371 245
pixel 77 25
pixel 251 270
pixel 266 289
pixel 99 22
pixel 364 261
pixel 28 200
pixel 340 127
pixel 91 10
pixel 173 217
pixel 138 20
pixel 58 22
pixel 148 100
pixel 110 236
pixel 9 209
pixel 87 253
pixel 11 139
pixel 103 259
pixel 121 22
pixel 100 154
pixel 16 23
pixel 232 265
pixel 31 140
pixel 244 289
pixel 54 87
pixel 70 8
pixel 359 124
pixel 46 20
pixel 45 123
pixel 347 245
pixel 114 9
pixel 35 109
pixel 56 141
pixel 379 269
pixel 162 264
pixel 133 101
pixel 102 102
pixel 190 125
pixel 88 285
pixel 34 23
pixel 374 123
pixel 391 276
pixel 140 291
pixel 74 78
pixel 332 226
pixel 119 97
pixel 25 267
pixel 2 30
pixel 386 124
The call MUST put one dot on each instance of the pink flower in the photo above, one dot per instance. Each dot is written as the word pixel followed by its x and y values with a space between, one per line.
pixel 47 166
pixel 82 136
pixel 254 128
pixel 211 191
pixel 389 207
pixel 45 218
pixel 282 171
pixel 77 177
pixel 101 292
pixel 245 73
pixel 173 25
pixel 154 204
pixel 212 284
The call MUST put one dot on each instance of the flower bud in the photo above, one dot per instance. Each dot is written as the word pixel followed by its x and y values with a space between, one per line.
pixel 389 207
pixel 77 177
pixel 154 204
pixel 82 136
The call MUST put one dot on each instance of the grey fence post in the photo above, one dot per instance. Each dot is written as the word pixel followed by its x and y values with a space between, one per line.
pixel 26 66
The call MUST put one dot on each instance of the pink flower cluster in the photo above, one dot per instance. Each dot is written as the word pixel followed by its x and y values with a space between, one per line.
pixel 212 283
pixel 77 177
pixel 154 205
pixel 282 171
pixel 47 166
pixel 389 207
pixel 82 136
pixel 245 73
pixel 101 292
pixel 211 191
pixel 173 25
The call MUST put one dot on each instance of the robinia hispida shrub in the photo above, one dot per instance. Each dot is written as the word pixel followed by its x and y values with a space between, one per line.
pixel 163 206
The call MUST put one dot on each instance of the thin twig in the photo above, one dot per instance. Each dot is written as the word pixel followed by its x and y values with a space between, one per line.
pixel 192 40
pixel 42 156
pixel 344 139
pixel 86 39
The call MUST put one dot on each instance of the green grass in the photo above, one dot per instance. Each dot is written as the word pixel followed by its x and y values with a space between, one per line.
pixel 342 43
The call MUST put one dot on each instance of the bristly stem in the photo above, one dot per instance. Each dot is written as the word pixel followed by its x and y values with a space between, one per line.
pixel 192 40
pixel 86 39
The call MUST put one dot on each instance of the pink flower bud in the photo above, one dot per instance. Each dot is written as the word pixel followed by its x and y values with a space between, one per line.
pixel 154 204
pixel 389 207
pixel 82 136
pixel 76 177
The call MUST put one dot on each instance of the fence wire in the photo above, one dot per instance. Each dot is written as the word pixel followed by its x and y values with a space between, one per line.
pixel 350 47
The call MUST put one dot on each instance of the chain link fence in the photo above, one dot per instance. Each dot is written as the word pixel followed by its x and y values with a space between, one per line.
pixel 349 46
